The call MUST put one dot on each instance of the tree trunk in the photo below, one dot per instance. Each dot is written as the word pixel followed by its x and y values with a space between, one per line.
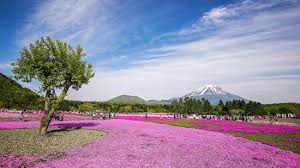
pixel 50 109
pixel 44 124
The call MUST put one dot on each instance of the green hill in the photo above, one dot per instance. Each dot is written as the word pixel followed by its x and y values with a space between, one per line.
pixel 127 99
pixel 13 95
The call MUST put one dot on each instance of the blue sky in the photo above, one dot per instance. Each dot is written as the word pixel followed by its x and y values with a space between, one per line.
pixel 163 49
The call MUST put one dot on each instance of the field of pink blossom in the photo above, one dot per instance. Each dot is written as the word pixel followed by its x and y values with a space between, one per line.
pixel 246 127
pixel 146 144
pixel 222 125
pixel 15 116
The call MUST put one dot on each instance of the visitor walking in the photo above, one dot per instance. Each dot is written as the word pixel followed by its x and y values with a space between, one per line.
pixel 22 115
pixel 62 117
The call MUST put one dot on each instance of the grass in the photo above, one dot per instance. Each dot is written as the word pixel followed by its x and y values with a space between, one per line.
pixel 180 123
pixel 201 125
pixel 289 142
pixel 183 123
pixel 27 141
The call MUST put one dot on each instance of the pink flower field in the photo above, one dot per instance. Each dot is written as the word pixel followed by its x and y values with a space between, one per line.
pixel 226 126
pixel 222 125
pixel 14 116
pixel 145 144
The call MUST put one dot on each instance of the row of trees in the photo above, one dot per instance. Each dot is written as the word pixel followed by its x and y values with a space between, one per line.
pixel 203 107
pixel 112 107
pixel 283 108
pixel 240 107
pixel 181 106
pixel 184 106
pixel 191 106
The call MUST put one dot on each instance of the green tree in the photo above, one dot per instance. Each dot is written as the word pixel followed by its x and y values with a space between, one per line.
pixel 235 112
pixel 57 66
pixel 284 110
pixel 1 104
pixel 127 109
pixel 207 108
pixel 84 107
pixel 73 108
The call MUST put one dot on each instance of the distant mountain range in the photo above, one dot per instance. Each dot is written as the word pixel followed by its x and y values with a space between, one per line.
pixel 13 94
pixel 210 92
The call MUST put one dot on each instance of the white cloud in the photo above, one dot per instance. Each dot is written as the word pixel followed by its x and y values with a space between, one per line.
pixel 222 16
pixel 5 66
pixel 250 48
pixel 217 15
pixel 255 56
pixel 95 24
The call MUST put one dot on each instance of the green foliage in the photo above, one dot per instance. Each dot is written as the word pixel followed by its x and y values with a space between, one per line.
pixel 86 107
pixel 218 109
pixel 203 107
pixel 115 107
pixel 283 108
pixel 240 107
pixel 254 108
pixel 191 106
pixel 127 109
pixel 236 112
pixel 56 66
pixel 14 96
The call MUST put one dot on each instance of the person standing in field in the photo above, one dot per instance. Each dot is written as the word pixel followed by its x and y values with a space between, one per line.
pixel 22 115
pixel 62 116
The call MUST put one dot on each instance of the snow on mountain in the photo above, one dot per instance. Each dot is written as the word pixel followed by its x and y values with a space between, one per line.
pixel 213 94
pixel 207 89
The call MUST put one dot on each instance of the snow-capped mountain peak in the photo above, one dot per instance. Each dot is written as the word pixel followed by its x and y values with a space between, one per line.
pixel 207 90
pixel 212 93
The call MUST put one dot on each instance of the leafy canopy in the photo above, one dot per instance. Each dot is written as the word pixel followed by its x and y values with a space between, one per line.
pixel 55 64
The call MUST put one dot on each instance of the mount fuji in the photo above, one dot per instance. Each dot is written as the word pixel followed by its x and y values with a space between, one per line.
pixel 213 94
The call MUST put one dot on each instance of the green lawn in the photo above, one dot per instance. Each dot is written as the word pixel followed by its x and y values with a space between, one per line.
pixel 27 141
pixel 180 123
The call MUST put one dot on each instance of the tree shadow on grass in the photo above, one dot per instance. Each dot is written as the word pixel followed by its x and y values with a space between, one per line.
pixel 67 127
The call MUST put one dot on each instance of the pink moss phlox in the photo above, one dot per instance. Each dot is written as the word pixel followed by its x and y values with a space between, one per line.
pixel 225 125
pixel 15 116
pixel 12 161
pixel 137 143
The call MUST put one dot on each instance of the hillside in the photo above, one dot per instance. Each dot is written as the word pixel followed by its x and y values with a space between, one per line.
pixel 13 95
pixel 127 99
